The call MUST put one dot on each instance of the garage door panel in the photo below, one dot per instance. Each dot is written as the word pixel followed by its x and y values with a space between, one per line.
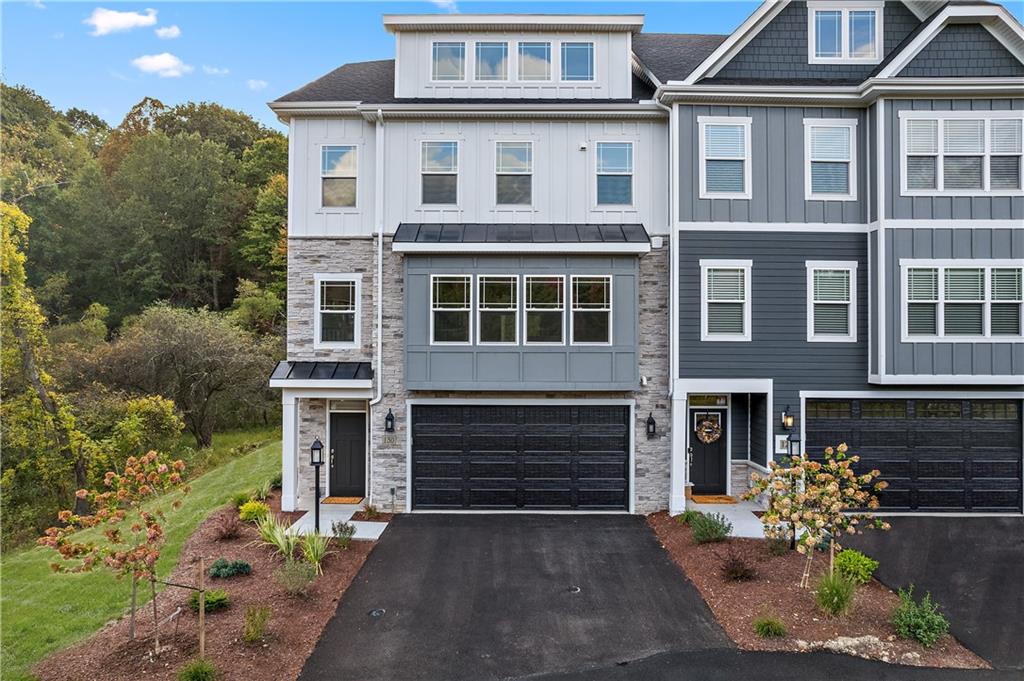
pixel 995 439
pixel 938 437
pixel 521 456
pixel 994 499
pixel 889 438
pixel 995 469
pixel 941 498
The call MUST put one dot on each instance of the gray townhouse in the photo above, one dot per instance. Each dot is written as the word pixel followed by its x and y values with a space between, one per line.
pixel 556 263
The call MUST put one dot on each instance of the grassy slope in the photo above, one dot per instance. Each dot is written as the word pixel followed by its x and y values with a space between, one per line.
pixel 43 611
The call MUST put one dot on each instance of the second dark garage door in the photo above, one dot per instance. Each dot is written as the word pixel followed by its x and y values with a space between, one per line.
pixel 936 455
pixel 539 457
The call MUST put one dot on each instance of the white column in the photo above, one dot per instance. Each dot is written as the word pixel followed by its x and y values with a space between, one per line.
pixel 677 470
pixel 289 431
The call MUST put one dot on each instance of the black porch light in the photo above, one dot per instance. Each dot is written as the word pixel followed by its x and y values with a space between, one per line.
pixel 389 422
pixel 316 459
pixel 652 426
pixel 787 418
pixel 794 442
pixel 316 453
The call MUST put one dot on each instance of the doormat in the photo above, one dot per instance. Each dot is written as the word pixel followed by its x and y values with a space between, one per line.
pixel 712 499
pixel 342 500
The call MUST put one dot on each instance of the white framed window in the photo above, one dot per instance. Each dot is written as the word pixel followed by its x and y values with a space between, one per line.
pixel 513 173
pixel 439 173
pixel 534 61
pixel 831 301
pixel 491 61
pixel 448 61
pixel 724 146
pixel 451 305
pixel 961 300
pixel 614 173
pixel 725 300
pixel 544 317
pixel 830 153
pixel 339 166
pixel 497 309
pixel 961 153
pixel 336 308
pixel 591 319
pixel 844 32
pixel 577 61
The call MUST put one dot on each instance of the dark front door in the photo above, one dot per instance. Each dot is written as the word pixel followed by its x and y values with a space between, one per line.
pixel 708 452
pixel 348 455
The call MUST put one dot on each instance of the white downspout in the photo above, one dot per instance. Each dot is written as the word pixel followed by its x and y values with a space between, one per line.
pixel 379 216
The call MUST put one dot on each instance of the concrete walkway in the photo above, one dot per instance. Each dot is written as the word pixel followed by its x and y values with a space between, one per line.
pixel 740 514
pixel 332 513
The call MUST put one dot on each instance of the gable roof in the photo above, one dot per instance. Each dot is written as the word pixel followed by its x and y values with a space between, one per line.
pixel 672 56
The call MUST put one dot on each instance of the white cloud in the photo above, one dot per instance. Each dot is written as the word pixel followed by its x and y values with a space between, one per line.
pixel 168 32
pixel 255 84
pixel 215 71
pixel 38 4
pixel 165 65
pixel 446 5
pixel 104 21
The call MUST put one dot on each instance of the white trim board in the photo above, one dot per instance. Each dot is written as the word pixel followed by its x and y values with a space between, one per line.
pixel 612 248
pixel 855 228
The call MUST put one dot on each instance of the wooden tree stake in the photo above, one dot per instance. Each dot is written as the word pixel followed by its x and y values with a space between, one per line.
pixel 131 621
pixel 202 610
pixel 156 621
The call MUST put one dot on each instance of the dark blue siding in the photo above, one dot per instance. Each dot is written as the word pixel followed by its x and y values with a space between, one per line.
pixel 963 51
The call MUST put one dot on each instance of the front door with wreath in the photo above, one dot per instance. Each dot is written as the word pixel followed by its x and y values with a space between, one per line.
pixel 709 462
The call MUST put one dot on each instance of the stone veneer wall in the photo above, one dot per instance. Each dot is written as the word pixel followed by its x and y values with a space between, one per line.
pixel 388 456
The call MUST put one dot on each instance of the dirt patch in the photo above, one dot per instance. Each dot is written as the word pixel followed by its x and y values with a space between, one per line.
pixel 865 631
pixel 377 518
pixel 294 627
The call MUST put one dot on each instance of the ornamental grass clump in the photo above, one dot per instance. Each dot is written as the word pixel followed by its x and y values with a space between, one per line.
pixel 276 535
pixel 254 630
pixel 769 626
pixel 198 670
pixel 295 577
pixel 687 516
pixel 812 504
pixel 834 594
pixel 314 550
pixel 919 621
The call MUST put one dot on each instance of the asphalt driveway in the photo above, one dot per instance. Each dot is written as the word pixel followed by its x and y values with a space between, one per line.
pixel 974 569
pixel 499 596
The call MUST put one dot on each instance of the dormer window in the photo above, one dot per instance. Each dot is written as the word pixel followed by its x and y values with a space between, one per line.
pixel 449 61
pixel 846 32
pixel 492 61
pixel 577 61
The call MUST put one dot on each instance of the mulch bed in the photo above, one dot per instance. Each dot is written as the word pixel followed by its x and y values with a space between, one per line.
pixel 294 627
pixel 378 518
pixel 775 590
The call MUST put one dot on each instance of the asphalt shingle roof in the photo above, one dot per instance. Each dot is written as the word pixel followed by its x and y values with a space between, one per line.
pixel 672 56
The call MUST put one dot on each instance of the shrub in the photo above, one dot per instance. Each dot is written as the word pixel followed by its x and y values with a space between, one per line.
pixel 255 627
pixel 240 498
pixel 735 568
pixel 769 626
pixel 275 482
pixel 370 511
pixel 710 528
pixel 252 511
pixel 343 532
pixel 262 492
pixel 222 568
pixel 834 594
pixel 777 546
pixel 855 566
pixel 295 577
pixel 228 526
pixel 275 534
pixel 216 599
pixel 198 670
pixel 314 549
pixel 687 516
pixel 919 621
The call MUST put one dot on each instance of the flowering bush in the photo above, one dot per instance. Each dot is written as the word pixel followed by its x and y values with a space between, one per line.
pixel 811 503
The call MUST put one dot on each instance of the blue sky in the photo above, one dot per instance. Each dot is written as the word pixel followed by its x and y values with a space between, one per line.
pixel 105 57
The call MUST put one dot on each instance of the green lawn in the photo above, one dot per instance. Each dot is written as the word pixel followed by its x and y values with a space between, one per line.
pixel 43 611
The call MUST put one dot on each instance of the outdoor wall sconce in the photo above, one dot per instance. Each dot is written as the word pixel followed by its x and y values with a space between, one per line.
pixel 652 426
pixel 787 418
pixel 389 422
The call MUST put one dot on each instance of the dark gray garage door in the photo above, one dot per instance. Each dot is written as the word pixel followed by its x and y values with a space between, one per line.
pixel 520 457
pixel 936 455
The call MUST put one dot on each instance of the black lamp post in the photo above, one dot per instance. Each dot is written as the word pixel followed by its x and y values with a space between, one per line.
pixel 652 426
pixel 316 459
pixel 794 441
pixel 389 422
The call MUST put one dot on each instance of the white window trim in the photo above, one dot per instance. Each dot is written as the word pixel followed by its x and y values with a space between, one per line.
pixel 942 116
pixel 526 309
pixel 845 7
pixel 513 206
pixel 594 61
pixel 320 278
pixel 320 181
pixel 609 311
pixel 851 124
pixel 551 61
pixel 851 267
pixel 468 311
pixel 987 265
pixel 702 123
pixel 508 61
pixel 468 54
pixel 458 175
pixel 519 305
pixel 746 266
pixel 632 176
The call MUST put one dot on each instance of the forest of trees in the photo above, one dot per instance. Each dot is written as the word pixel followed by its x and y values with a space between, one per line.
pixel 143 282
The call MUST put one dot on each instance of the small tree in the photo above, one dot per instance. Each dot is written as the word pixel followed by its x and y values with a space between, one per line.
pixel 133 553
pixel 814 502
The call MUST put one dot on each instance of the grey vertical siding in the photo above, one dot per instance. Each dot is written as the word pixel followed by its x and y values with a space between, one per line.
pixel 872 286
pixel 780 49
pixel 963 51
pixel 942 207
pixel 979 359
pixel 522 367
pixel 871 140
pixel 758 422
pixel 738 425
pixel 777 168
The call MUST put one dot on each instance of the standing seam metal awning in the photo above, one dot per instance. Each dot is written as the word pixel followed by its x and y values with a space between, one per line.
pixel 510 238
pixel 322 374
